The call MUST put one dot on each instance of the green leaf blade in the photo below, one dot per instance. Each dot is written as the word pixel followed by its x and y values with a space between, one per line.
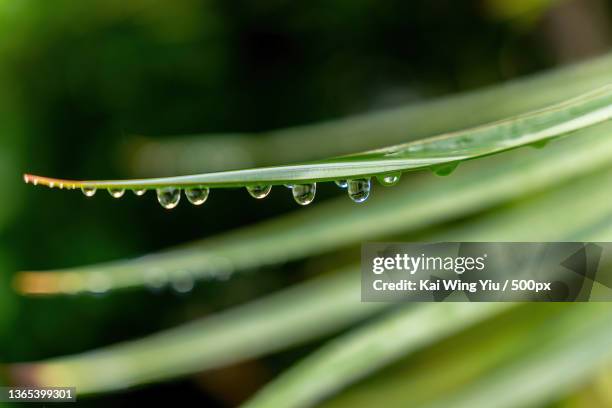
pixel 330 226
pixel 578 113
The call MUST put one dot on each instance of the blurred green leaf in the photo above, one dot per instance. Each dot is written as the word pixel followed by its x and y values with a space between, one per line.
pixel 532 356
pixel 206 152
pixel 290 317
pixel 353 356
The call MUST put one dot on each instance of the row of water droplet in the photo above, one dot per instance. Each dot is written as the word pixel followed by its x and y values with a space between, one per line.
pixel 168 197
pixel 180 281
pixel 155 278
pixel 303 194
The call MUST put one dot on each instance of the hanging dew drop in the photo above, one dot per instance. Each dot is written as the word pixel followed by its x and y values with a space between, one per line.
pixel 540 144
pixel 444 169
pixel 341 183
pixel 197 195
pixel 182 282
pixel 116 192
pixel 140 191
pixel 88 191
pixel 155 279
pixel 168 197
pixel 359 190
pixel 389 179
pixel 259 191
pixel 304 194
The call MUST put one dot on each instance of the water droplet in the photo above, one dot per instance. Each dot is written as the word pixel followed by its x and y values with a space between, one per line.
pixel 540 144
pixel 304 194
pixel 182 281
pixel 359 190
pixel 168 197
pixel 139 191
pixel 389 179
pixel 289 186
pixel 116 192
pixel 156 278
pixel 197 195
pixel 444 169
pixel 341 183
pixel 259 191
pixel 88 191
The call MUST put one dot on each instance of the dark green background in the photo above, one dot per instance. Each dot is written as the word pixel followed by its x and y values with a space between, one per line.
pixel 79 78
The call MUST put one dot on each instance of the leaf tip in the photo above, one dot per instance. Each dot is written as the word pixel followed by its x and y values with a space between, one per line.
pixel 35 283
pixel 29 178
pixel 37 375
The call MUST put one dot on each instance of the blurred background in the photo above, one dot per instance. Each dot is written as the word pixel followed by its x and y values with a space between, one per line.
pixel 89 90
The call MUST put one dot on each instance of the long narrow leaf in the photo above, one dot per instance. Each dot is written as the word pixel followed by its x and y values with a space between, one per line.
pixel 535 127
pixel 355 355
pixel 326 227
pixel 535 356
pixel 290 317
